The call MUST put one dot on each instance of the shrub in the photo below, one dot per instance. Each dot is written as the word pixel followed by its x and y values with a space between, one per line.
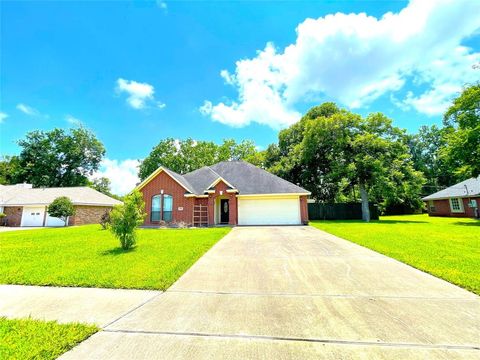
pixel 62 207
pixel 105 219
pixel 125 218
pixel 3 219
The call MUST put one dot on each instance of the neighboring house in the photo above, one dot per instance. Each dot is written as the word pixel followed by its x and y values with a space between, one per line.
pixel 230 192
pixel 27 206
pixel 459 200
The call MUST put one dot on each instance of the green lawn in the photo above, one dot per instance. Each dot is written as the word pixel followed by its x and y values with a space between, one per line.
pixel 445 247
pixel 88 256
pixel 34 339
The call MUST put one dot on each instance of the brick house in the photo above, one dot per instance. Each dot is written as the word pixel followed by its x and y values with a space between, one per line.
pixel 459 200
pixel 230 192
pixel 27 206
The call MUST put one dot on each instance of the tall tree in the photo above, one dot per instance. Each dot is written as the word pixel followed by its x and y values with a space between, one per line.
pixel 332 151
pixel 463 142
pixel 59 158
pixel 9 170
pixel 425 149
pixel 183 156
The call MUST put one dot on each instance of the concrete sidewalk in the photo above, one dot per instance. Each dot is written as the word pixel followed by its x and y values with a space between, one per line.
pixel 68 304
pixel 295 292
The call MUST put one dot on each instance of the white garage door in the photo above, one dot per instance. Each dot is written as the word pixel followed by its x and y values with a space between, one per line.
pixel 275 211
pixel 54 221
pixel 33 216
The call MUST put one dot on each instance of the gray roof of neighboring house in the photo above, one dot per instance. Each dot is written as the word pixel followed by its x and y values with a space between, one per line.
pixel 458 190
pixel 21 194
pixel 246 178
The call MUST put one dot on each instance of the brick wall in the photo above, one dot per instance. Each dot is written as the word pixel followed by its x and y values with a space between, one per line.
pixel 14 215
pixel 164 182
pixel 87 214
pixel 442 208
pixel 304 210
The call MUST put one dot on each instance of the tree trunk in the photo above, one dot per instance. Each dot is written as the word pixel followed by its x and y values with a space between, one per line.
pixel 365 207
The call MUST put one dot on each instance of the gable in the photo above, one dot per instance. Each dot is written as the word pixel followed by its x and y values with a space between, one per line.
pixel 161 171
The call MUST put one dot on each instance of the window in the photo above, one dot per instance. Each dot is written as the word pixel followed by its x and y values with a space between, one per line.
pixel 167 207
pixel 160 212
pixel 456 205
pixel 155 215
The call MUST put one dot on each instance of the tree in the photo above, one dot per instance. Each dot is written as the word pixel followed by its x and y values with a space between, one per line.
pixel 102 185
pixel 9 170
pixel 125 218
pixel 62 207
pixel 183 156
pixel 335 153
pixel 59 158
pixel 462 151
pixel 425 149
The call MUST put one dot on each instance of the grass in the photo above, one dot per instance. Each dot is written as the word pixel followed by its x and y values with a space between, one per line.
pixel 34 339
pixel 90 257
pixel 445 247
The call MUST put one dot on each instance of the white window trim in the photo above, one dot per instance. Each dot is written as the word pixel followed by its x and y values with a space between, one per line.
pixel 460 202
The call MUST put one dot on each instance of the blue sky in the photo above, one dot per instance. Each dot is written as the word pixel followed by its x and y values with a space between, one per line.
pixel 136 72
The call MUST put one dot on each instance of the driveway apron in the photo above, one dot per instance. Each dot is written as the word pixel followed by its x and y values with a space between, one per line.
pixel 295 293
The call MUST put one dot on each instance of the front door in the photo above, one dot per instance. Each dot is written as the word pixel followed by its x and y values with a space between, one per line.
pixel 224 211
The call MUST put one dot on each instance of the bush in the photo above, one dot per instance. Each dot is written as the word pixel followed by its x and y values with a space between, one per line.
pixel 105 219
pixel 125 218
pixel 3 219
pixel 62 207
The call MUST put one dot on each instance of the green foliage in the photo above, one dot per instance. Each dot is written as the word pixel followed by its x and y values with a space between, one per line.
pixel 336 154
pixel 9 170
pixel 444 247
pixel 36 339
pixel 62 207
pixel 86 256
pixel 125 218
pixel 183 156
pixel 463 143
pixel 102 185
pixel 425 148
pixel 57 158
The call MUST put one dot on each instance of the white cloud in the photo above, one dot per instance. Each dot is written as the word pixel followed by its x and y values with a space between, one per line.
pixel 3 116
pixel 162 5
pixel 354 59
pixel 123 175
pixel 28 110
pixel 73 120
pixel 139 94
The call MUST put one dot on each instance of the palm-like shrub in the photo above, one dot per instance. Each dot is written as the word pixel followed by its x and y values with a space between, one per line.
pixel 125 218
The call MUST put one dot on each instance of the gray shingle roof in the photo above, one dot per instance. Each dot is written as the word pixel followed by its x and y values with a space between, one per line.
pixel 458 190
pixel 201 179
pixel 246 178
pixel 82 195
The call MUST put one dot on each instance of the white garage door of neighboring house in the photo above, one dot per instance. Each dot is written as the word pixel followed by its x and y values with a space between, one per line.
pixel 264 211
pixel 33 216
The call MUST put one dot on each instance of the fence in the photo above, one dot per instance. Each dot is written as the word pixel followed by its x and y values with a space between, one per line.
pixel 344 211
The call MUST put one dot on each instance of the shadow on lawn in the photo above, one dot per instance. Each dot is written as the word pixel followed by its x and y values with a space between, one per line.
pixel 477 223
pixel 117 251
pixel 400 222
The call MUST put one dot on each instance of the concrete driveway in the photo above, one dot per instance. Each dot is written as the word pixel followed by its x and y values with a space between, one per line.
pixel 295 292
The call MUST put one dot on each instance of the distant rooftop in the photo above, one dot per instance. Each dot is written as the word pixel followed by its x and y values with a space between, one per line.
pixel 470 187
pixel 24 194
